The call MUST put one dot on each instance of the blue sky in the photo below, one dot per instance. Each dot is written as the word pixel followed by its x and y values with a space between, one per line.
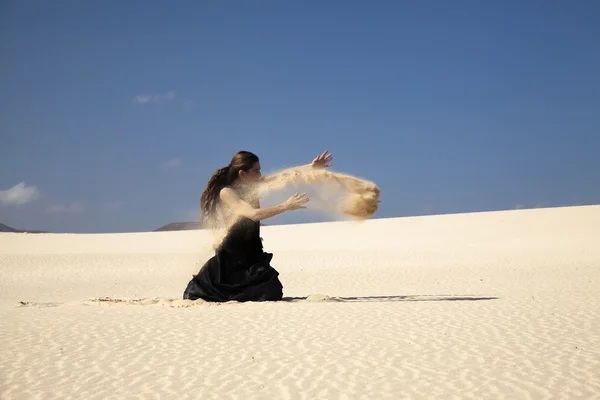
pixel 114 114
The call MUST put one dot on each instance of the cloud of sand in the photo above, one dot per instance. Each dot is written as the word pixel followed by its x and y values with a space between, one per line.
pixel 333 193
pixel 338 196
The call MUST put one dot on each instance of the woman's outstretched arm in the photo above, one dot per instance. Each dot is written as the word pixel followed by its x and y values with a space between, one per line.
pixel 321 161
pixel 240 207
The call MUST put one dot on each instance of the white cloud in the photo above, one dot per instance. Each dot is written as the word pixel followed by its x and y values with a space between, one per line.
pixel 19 194
pixel 71 208
pixel 173 163
pixel 116 204
pixel 156 98
pixel 141 99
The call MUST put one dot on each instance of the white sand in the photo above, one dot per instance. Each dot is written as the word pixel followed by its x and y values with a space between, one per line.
pixel 485 305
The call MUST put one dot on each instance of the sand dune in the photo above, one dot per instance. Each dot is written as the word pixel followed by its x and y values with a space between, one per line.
pixel 482 305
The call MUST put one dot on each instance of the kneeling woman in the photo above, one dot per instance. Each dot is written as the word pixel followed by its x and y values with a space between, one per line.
pixel 240 270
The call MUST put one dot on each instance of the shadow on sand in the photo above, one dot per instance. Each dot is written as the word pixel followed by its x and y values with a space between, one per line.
pixel 325 298
pixel 313 298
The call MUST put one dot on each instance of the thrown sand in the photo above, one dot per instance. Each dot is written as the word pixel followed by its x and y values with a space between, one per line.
pixel 340 194
pixel 483 305
pixel 360 197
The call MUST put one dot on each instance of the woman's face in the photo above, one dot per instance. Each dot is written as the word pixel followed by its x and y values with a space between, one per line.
pixel 252 175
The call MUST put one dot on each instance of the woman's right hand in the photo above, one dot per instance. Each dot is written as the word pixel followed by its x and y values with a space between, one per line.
pixel 296 201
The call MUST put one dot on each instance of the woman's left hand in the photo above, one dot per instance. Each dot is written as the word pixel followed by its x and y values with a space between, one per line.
pixel 323 160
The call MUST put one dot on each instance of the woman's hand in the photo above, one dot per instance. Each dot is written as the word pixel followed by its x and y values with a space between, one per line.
pixel 296 201
pixel 323 160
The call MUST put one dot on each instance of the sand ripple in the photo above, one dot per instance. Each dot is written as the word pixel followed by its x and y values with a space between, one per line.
pixel 300 348
pixel 473 307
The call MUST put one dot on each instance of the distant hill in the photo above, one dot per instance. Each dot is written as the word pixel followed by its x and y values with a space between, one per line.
pixel 180 226
pixel 6 228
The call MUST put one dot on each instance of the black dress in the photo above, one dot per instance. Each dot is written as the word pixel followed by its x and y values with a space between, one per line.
pixel 240 270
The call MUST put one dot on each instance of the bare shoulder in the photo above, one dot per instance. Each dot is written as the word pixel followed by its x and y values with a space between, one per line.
pixel 228 193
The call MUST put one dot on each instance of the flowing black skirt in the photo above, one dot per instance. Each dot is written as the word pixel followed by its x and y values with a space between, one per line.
pixel 225 277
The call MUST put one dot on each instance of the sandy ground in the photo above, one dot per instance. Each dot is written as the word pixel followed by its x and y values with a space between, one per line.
pixel 484 305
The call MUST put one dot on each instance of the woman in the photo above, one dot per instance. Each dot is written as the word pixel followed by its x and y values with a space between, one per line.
pixel 240 270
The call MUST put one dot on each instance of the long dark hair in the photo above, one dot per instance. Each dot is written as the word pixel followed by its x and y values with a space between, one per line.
pixel 241 161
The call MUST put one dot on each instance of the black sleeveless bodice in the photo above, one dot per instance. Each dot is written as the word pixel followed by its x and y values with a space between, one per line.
pixel 243 241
